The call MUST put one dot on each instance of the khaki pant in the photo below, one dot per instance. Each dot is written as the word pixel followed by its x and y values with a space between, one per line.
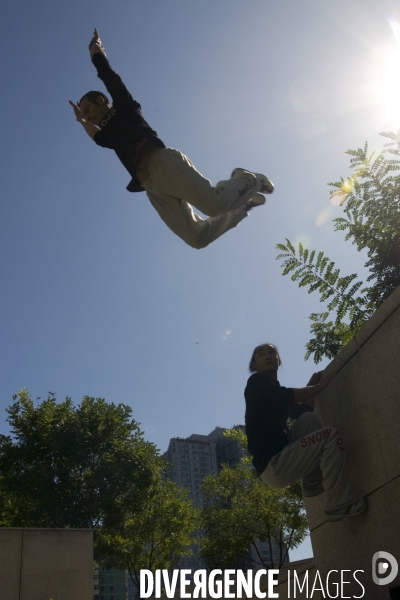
pixel 173 184
pixel 316 456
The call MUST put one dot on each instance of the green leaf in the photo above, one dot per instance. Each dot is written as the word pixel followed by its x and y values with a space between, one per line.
pixel 370 197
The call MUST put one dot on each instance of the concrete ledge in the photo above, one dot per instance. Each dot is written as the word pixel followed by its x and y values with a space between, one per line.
pixel 363 403
pixel 361 537
pixel 39 564
pixel 384 312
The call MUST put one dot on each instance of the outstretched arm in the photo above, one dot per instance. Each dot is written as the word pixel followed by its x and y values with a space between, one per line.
pixel 95 47
pixel 113 82
pixel 316 384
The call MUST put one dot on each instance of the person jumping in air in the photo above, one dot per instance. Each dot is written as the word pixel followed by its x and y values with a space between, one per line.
pixel 169 178
pixel 306 451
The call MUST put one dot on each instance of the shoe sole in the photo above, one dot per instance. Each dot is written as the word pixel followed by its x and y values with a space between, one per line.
pixel 267 185
pixel 257 200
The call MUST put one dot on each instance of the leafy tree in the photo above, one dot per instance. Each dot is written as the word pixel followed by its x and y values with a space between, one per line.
pixel 157 537
pixel 67 466
pixel 240 509
pixel 371 201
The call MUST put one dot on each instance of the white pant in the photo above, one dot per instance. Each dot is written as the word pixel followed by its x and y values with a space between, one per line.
pixel 317 456
pixel 172 184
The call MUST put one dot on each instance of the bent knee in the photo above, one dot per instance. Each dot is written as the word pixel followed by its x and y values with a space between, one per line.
pixel 199 240
pixel 197 244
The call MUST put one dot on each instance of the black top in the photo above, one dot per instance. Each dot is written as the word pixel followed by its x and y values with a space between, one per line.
pixel 123 128
pixel 268 406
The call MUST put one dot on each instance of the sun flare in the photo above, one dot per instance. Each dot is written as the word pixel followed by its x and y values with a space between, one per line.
pixel 388 69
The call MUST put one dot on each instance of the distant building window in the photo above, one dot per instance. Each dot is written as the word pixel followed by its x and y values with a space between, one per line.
pixel 96 587
pixel 111 577
pixel 111 588
pixel 101 578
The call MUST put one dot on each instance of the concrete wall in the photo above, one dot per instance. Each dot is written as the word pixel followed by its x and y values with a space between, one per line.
pixel 363 402
pixel 39 564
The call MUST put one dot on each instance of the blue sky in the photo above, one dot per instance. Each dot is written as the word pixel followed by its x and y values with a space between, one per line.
pixel 98 297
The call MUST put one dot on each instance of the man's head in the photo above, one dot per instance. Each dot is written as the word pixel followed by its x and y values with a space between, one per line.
pixel 265 358
pixel 94 106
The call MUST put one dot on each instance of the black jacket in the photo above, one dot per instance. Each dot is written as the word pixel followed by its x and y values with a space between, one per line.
pixel 268 406
pixel 123 129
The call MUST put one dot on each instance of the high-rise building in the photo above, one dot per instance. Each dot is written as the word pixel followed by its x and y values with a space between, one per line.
pixel 190 460
pixel 193 458
pixel 109 584
pixel 228 451
pixel 133 593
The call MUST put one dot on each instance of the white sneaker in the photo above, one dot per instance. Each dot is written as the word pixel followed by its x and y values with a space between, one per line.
pixel 267 187
pixel 354 510
pixel 257 200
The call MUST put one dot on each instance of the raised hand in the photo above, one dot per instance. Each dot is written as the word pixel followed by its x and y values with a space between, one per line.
pixel 95 39
pixel 77 111
pixel 315 378
pixel 95 44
